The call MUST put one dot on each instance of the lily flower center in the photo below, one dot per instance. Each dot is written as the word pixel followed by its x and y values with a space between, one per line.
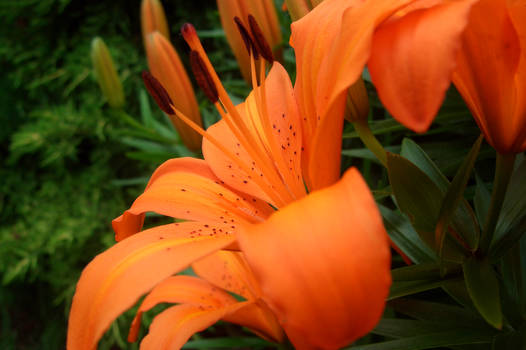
pixel 254 131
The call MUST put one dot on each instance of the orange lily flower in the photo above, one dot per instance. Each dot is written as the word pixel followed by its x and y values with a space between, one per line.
pixel 164 62
pixel 265 14
pixel 337 38
pixel 480 46
pixel 491 72
pixel 315 264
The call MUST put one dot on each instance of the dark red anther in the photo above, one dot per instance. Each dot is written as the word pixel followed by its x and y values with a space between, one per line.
pixel 249 43
pixel 203 77
pixel 158 92
pixel 259 40
pixel 188 31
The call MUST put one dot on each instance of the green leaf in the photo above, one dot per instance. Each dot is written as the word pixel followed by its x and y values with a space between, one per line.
pixel 404 288
pixel 438 312
pixel 146 111
pixel 513 278
pixel 483 287
pixel 481 200
pixel 454 195
pixel 432 340
pixel 402 328
pixel 405 237
pixel 416 272
pixel 420 198
pixel 512 220
pixel 463 220
pixel 229 343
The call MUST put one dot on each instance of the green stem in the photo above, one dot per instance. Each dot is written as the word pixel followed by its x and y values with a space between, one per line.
pixel 503 171
pixel 370 141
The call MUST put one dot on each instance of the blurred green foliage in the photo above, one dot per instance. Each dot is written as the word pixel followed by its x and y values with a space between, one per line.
pixel 61 152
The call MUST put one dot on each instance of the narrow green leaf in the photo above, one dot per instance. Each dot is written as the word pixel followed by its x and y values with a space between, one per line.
pixel 402 328
pixel 405 237
pixel 483 287
pixel 146 111
pixel 420 198
pixel 432 340
pixel 416 272
pixel 481 200
pixel 463 220
pixel 454 195
pixel 404 288
pixel 438 312
pixel 411 151
pixel 365 153
pixel 512 219
pixel 228 343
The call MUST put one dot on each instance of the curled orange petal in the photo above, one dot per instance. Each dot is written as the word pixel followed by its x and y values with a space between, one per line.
pixel 115 279
pixel 185 290
pixel 413 57
pixel 186 188
pixel 323 263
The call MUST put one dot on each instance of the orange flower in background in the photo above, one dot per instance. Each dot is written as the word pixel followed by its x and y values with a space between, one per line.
pixel 491 72
pixel 316 264
pixel 299 8
pixel 164 62
pixel 407 45
pixel 265 14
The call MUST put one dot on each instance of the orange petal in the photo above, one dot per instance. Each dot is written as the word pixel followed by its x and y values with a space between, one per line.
pixel 181 289
pixel 259 318
pixel 173 327
pixel 228 270
pixel 185 188
pixel 332 45
pixel 323 263
pixel 486 71
pixel 517 12
pixel 284 149
pixel 166 66
pixel 115 279
pixel 412 60
pixel 197 292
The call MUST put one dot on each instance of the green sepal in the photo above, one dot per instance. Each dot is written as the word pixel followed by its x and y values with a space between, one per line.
pixel 483 287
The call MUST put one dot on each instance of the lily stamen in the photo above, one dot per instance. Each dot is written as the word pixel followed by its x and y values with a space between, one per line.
pixel 236 123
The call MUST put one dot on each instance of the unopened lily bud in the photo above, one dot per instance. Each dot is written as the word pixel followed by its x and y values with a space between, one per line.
pixel 106 74
pixel 165 65
pixel 153 19
pixel 264 14
pixel 357 107
pixel 299 8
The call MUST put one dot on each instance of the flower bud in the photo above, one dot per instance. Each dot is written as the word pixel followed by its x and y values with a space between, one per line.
pixel 153 19
pixel 357 107
pixel 106 74
pixel 165 65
